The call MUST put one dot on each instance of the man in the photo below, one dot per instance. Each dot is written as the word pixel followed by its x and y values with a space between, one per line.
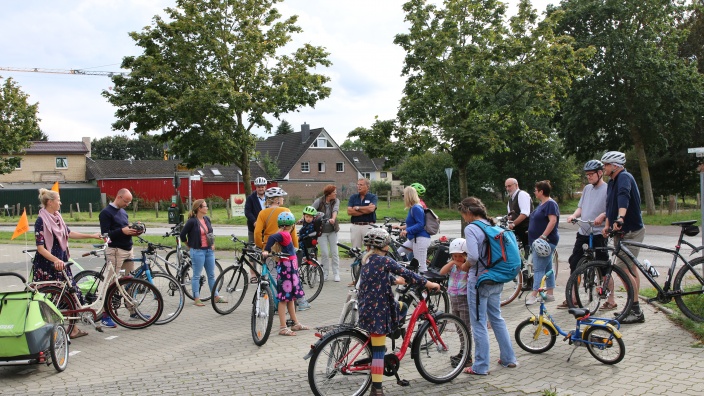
pixel 519 208
pixel 254 204
pixel 623 213
pixel 592 207
pixel 114 222
pixel 362 210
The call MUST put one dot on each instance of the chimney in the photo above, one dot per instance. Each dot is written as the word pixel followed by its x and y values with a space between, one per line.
pixel 305 132
pixel 86 141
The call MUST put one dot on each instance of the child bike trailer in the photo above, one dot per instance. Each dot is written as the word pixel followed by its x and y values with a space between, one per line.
pixel 31 330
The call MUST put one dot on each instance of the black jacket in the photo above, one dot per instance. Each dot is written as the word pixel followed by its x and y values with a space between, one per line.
pixel 192 230
pixel 251 210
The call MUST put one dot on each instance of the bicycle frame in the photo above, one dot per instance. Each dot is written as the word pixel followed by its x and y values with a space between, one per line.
pixel 246 258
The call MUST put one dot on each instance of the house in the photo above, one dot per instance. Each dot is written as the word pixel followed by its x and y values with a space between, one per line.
pixel 48 162
pixel 374 169
pixel 309 160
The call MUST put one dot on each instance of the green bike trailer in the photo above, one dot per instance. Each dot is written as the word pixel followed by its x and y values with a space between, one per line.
pixel 31 330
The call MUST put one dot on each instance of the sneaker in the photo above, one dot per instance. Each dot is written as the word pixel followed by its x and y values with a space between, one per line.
pixel 337 278
pixel 532 300
pixel 549 298
pixel 510 365
pixel 325 277
pixel 303 307
pixel 107 321
pixel 135 317
pixel 633 317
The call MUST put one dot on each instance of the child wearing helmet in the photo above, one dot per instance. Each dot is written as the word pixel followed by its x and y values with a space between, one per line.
pixel 379 313
pixel 457 288
pixel 288 287
pixel 420 189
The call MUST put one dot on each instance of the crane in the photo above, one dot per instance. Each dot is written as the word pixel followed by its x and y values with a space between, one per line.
pixel 63 71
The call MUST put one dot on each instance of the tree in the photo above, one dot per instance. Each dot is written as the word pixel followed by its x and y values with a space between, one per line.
pixel 145 147
pixel 270 167
pixel 640 93
pixel 110 148
pixel 19 124
pixel 352 145
pixel 210 73
pixel 476 82
pixel 284 128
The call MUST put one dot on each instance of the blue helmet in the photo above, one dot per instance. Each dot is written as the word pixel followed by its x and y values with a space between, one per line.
pixel 286 219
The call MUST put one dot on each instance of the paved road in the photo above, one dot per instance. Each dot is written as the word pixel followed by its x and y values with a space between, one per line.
pixel 202 352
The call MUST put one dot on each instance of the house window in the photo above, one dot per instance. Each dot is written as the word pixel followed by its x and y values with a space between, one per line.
pixel 367 175
pixel 383 175
pixel 322 142
pixel 61 162
pixel 321 167
pixel 19 166
pixel 200 172
pixel 355 159
pixel 216 171
pixel 340 167
pixel 305 167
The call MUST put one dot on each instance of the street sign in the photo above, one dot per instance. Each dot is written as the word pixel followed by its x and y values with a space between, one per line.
pixel 696 150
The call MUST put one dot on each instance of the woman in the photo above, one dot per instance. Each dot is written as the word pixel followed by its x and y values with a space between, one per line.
pixel 330 206
pixel 52 234
pixel 418 239
pixel 195 234
pixel 543 225
pixel 489 304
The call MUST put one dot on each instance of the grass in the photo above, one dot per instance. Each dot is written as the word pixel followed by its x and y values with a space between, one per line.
pixel 695 328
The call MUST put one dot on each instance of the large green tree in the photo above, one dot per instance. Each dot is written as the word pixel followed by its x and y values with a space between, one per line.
pixel 284 128
pixel 210 73
pixel 477 80
pixel 19 124
pixel 144 147
pixel 640 94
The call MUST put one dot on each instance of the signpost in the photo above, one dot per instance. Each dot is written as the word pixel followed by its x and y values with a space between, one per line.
pixel 448 172
pixel 699 151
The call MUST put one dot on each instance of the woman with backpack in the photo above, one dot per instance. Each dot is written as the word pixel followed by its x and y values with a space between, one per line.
pixel 485 301
pixel 418 238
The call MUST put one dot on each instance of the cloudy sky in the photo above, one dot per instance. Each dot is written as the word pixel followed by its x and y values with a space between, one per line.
pixel 92 35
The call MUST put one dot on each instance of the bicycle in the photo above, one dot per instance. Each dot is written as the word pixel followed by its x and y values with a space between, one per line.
pixel 310 272
pixel 340 361
pixel 356 254
pixel 182 269
pixel 590 252
pixel 131 303
pixel 600 336
pixel 597 280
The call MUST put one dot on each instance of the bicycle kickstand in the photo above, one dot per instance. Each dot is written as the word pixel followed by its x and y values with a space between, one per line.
pixel 90 321
pixel 571 353
pixel 401 382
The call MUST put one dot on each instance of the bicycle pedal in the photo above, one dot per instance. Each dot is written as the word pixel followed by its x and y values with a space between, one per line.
pixel 99 329
pixel 403 382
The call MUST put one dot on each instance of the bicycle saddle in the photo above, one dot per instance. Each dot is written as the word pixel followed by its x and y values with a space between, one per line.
pixel 683 222
pixel 578 312
pixel 434 276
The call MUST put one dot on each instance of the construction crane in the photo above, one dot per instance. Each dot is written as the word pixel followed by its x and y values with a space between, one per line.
pixel 63 71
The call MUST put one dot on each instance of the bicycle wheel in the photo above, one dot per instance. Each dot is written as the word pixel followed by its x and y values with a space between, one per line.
pixel 435 355
pixel 176 263
pixel 535 337
pixel 87 282
pixel 63 301
pixel 138 308
pixel 692 305
pixel 204 292
pixel 605 346
pixel 341 365
pixel 232 285
pixel 590 285
pixel 311 275
pixel 58 347
pixel 262 315
pixel 512 289
pixel 172 294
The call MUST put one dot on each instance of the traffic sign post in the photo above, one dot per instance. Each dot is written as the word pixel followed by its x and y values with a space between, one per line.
pixel 699 151
pixel 448 172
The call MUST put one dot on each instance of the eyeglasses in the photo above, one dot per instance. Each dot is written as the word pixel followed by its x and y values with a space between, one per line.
pixel 203 206
pixel 590 173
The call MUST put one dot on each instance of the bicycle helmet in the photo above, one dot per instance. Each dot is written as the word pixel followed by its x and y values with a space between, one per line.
pixel 458 245
pixel 286 219
pixel 614 157
pixel 593 165
pixel 420 189
pixel 260 181
pixel 275 192
pixel 541 247
pixel 377 237
pixel 309 210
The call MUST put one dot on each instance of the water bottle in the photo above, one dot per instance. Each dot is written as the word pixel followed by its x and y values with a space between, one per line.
pixel 651 270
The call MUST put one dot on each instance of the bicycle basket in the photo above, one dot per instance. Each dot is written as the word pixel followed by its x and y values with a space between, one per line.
pixel 691 230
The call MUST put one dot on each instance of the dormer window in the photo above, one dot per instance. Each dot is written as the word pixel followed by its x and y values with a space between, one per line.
pixel 322 142
pixel 215 171
pixel 200 172
pixel 355 159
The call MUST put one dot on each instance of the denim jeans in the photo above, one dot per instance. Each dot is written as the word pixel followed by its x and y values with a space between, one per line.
pixel 542 265
pixel 202 258
pixel 489 307
pixel 328 244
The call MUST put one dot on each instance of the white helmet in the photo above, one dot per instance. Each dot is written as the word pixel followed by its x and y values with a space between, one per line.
pixel 260 181
pixel 458 245
pixel 377 237
pixel 275 192
pixel 614 157
pixel 541 247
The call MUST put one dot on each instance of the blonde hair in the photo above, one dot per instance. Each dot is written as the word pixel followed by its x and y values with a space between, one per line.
pixel 194 208
pixel 47 195
pixel 410 197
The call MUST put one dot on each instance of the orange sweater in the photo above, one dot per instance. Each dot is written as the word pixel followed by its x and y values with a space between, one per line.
pixel 267 223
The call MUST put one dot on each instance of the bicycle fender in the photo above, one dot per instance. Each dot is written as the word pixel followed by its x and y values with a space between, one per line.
pixel 545 323
pixel 603 323
pixel 316 346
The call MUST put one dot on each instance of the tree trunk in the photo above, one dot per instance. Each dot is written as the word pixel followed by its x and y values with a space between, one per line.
pixel 644 171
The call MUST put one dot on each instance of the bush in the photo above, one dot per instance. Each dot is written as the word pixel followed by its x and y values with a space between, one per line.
pixel 380 187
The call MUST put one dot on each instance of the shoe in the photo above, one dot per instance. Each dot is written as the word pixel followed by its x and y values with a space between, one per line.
pixel 376 392
pixel 469 370
pixel 198 303
pixel 220 300
pixel 563 305
pixel 510 365
pixel 633 317
pixel 80 333
pixel 337 278
pixel 532 300
pixel 549 298
pixel 135 317
pixel 303 307
pixel 107 321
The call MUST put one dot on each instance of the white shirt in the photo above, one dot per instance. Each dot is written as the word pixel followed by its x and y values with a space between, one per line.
pixel 523 202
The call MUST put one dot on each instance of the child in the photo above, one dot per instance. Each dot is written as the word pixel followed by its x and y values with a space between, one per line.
pixel 379 313
pixel 457 287
pixel 309 228
pixel 288 288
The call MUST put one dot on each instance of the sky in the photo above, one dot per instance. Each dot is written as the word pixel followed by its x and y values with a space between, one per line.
pixel 365 76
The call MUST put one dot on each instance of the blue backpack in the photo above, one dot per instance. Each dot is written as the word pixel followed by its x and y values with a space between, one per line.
pixel 503 256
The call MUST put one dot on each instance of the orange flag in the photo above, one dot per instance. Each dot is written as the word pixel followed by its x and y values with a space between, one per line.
pixel 55 187
pixel 22 225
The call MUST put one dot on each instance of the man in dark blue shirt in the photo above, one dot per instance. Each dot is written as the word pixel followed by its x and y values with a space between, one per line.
pixel 254 204
pixel 623 213
pixel 362 210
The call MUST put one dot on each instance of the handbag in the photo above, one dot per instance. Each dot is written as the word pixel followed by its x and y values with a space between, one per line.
pixel 209 237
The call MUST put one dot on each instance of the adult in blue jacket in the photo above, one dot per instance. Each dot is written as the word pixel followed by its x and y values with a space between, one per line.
pixel 253 205
pixel 418 239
